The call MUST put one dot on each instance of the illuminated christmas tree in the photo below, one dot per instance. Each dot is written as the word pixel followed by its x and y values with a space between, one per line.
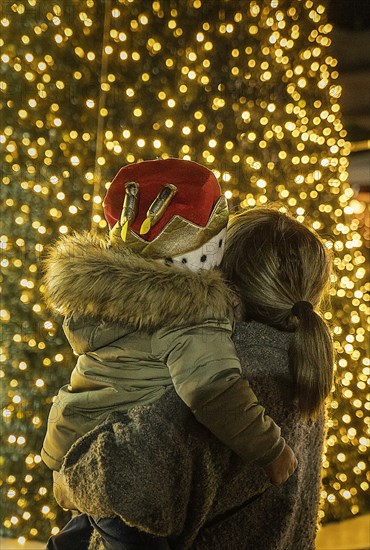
pixel 247 88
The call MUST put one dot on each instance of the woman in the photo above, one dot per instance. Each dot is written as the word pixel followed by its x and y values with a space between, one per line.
pixel 165 474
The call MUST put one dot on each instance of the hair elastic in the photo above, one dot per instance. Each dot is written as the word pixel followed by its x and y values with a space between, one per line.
pixel 301 307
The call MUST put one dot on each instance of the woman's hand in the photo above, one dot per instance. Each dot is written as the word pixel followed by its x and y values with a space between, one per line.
pixel 280 469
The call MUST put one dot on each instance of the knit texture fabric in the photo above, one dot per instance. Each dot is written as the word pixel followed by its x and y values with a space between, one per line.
pixel 160 470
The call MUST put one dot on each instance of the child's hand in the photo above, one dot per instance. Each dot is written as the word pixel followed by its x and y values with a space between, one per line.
pixel 280 469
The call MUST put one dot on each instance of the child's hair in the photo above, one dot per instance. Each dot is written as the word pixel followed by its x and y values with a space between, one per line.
pixel 281 271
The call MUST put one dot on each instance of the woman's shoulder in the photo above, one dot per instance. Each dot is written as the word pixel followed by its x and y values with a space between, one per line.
pixel 254 334
pixel 263 354
pixel 262 347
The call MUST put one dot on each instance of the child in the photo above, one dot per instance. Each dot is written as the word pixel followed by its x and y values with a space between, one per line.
pixel 147 310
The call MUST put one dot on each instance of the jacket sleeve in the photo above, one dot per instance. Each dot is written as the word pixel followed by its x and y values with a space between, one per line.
pixel 206 374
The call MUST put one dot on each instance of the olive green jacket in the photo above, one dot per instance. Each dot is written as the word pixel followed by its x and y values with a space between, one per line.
pixel 138 327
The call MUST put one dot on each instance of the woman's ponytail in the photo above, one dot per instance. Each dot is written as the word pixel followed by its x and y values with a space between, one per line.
pixel 310 360
pixel 274 261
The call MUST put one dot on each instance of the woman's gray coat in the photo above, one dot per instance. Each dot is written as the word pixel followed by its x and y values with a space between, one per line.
pixel 162 471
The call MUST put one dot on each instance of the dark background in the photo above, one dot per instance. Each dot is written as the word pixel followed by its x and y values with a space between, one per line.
pixel 351 46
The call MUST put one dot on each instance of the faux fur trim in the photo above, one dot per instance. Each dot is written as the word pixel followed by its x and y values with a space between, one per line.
pixel 86 277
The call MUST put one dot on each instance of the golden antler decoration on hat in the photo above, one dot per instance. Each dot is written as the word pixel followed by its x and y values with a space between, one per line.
pixel 158 207
pixel 129 207
pixel 180 207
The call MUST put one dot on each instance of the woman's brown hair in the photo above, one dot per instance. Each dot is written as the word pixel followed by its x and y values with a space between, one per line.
pixel 275 263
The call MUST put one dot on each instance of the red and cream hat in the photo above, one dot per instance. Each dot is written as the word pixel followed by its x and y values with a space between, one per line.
pixel 166 208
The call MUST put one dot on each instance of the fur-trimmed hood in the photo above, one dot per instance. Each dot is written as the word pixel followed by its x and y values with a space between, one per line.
pixel 86 277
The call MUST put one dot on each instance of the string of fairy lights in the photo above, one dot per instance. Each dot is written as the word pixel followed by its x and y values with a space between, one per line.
pixel 249 89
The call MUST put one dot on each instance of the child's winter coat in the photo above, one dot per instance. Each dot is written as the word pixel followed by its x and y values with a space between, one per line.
pixel 138 327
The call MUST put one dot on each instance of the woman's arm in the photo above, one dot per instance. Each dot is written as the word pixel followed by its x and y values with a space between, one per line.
pixel 129 466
